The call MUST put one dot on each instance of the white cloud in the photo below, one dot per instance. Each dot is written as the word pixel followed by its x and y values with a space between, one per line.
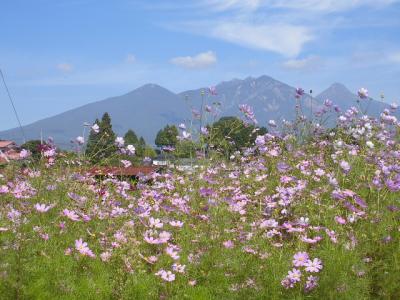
pixel 331 5
pixel 130 58
pixel 394 57
pixel 231 4
pixel 280 38
pixel 201 60
pixel 65 67
pixel 306 63
pixel 308 5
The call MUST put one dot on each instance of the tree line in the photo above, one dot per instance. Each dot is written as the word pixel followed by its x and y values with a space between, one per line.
pixel 225 136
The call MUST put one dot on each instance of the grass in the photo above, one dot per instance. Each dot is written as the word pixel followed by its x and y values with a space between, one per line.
pixel 236 201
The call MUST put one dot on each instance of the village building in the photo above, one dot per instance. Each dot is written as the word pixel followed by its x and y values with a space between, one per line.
pixel 8 151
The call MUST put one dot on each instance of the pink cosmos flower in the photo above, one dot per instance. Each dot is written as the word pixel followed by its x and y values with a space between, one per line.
pixel 172 251
pixel 96 128
pixel 311 283
pixel 228 244
pixel 164 236
pixel 300 258
pixel 293 276
pixel 166 275
pixel 212 90
pixel 340 220
pixel 363 93
pixel 176 223
pixel 126 163
pixel 70 214
pixel 42 208
pixel 80 140
pixel 313 266
pixel 130 150
pixel 345 166
pixel 178 268
pixel 24 153
pixel 119 141
pixel 155 223
pixel 105 256
pixel 4 189
pixel 82 248
pixel 192 282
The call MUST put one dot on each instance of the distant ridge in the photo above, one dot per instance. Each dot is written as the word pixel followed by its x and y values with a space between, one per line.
pixel 344 98
pixel 150 107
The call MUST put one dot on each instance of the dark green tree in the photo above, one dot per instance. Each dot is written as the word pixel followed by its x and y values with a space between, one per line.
pixel 186 149
pixel 101 145
pixel 167 136
pixel 231 134
pixel 131 138
pixel 92 141
pixel 34 147
pixel 140 147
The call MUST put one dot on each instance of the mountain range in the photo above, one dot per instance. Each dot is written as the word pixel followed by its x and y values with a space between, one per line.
pixel 150 107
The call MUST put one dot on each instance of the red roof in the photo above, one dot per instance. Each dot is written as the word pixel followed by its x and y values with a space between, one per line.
pixel 120 171
pixel 6 143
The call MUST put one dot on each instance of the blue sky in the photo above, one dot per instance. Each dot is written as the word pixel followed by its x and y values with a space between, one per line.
pixel 58 55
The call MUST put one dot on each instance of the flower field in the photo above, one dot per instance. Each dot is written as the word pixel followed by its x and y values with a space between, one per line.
pixel 283 219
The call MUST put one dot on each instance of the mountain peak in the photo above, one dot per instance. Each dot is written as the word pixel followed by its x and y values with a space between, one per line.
pixel 338 86
pixel 150 86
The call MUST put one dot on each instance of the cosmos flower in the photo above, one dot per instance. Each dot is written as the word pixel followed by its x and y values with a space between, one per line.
pixel 340 220
pixel 96 128
pixel 311 283
pixel 228 244
pixel 370 144
pixel 313 266
pixel 213 90
pixel 176 223
pixel 119 142
pixel 345 166
pixel 80 140
pixel 126 163
pixel 166 275
pixel 299 92
pixel 24 154
pixel 363 93
pixel 300 258
pixel 70 214
pixel 42 208
pixel 82 248
pixel 130 150
pixel 204 131
pixel 178 268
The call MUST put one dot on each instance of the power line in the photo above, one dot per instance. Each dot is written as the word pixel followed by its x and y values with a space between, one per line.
pixel 13 106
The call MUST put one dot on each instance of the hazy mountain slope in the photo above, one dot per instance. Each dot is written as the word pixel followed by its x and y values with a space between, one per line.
pixel 270 98
pixel 145 110
pixel 150 107
pixel 344 98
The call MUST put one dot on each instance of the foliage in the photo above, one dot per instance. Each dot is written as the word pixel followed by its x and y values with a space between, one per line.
pixel 101 145
pixel 230 134
pixel 167 136
pixel 33 146
pixel 131 138
pixel 186 149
